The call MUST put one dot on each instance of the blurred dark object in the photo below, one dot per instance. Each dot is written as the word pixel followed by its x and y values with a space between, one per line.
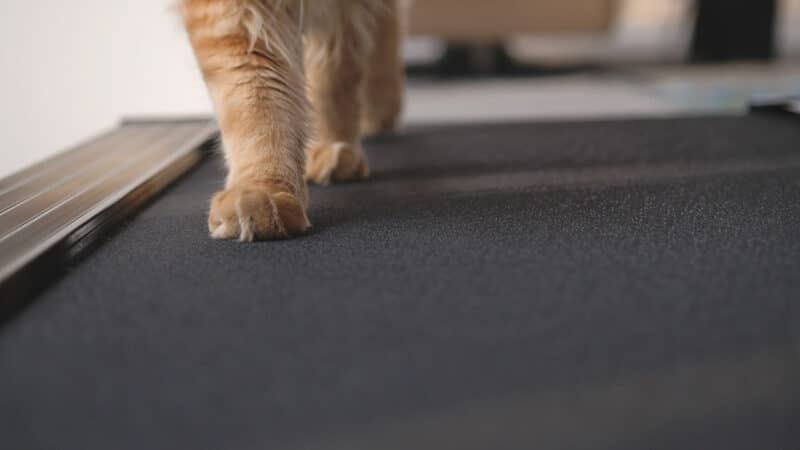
pixel 731 30
pixel 476 60
pixel 784 106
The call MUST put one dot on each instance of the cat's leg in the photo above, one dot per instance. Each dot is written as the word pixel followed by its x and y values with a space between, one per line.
pixel 385 81
pixel 250 54
pixel 337 47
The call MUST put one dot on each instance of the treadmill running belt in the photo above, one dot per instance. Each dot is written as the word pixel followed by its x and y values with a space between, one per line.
pixel 587 285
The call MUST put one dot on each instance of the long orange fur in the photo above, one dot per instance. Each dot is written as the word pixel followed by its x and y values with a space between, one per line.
pixel 295 83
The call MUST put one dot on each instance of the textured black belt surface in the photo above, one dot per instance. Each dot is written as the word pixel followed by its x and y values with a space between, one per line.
pixel 586 285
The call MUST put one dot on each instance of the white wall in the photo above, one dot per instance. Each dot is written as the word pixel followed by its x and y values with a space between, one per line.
pixel 70 68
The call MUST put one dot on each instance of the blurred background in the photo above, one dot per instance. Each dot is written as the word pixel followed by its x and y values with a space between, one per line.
pixel 73 69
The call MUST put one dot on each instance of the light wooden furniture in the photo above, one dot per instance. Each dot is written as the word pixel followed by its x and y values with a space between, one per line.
pixel 471 20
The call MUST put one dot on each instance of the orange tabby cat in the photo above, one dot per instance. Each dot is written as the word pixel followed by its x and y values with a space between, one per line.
pixel 294 84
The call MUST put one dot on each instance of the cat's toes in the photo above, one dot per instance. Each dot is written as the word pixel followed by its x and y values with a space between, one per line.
pixel 336 162
pixel 256 212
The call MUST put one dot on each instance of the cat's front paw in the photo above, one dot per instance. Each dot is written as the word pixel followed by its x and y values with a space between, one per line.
pixel 336 162
pixel 256 212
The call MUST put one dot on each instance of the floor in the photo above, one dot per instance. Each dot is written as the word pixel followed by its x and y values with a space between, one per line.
pixel 622 92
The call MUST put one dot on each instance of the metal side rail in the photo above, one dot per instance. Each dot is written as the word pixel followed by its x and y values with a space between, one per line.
pixel 54 211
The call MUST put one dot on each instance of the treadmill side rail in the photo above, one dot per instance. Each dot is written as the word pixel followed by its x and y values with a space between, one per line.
pixel 54 211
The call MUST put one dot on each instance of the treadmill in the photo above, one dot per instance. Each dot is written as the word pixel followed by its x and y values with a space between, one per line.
pixel 588 284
